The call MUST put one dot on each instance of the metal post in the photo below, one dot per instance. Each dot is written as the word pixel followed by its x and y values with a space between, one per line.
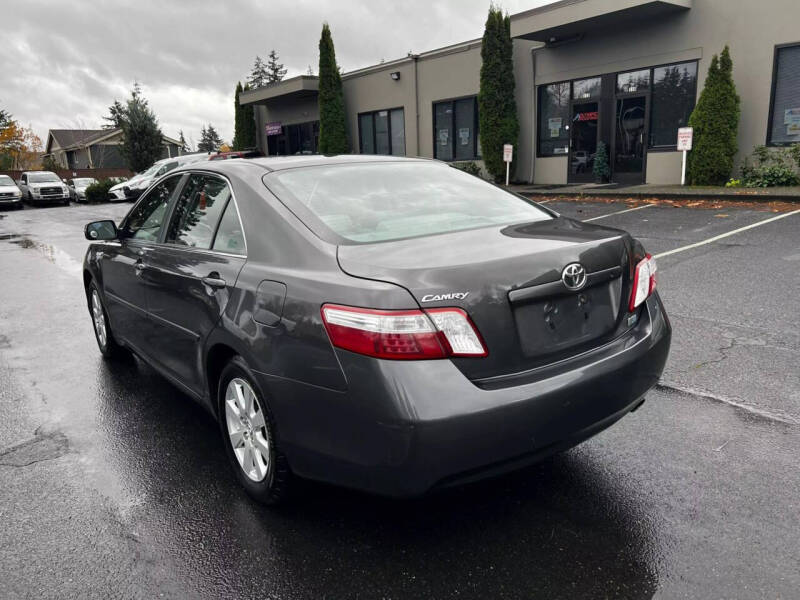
pixel 683 169
pixel 507 163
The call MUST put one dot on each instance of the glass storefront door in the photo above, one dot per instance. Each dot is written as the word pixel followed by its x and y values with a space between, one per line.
pixel 583 141
pixel 629 139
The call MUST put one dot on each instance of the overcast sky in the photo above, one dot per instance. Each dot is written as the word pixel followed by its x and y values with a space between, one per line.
pixel 63 63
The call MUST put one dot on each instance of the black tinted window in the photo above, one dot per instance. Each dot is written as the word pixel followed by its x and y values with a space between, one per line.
pixel 230 237
pixel 144 221
pixel 198 210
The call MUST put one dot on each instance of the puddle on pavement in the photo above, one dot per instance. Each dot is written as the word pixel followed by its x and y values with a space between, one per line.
pixel 55 255
pixel 8 236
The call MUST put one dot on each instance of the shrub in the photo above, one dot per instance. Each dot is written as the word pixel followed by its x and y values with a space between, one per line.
pixel 770 167
pixel 468 167
pixel 98 192
pixel 600 169
pixel 734 183
pixel 715 120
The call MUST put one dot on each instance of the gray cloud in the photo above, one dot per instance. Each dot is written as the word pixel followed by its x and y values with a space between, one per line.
pixel 63 63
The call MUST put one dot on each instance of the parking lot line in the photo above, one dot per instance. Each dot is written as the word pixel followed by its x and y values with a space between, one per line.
pixel 729 233
pixel 619 212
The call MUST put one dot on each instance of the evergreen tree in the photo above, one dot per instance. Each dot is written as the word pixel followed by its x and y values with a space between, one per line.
pixel 182 141
pixel 497 107
pixel 600 168
pixel 332 131
pixel 275 70
pixel 209 139
pixel 248 137
pixel 259 76
pixel 715 120
pixel 116 115
pixel 141 137
pixel 310 71
pixel 238 118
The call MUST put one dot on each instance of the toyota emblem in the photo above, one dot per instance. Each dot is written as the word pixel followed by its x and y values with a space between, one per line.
pixel 574 276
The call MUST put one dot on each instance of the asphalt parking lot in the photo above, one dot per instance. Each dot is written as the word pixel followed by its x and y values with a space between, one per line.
pixel 114 484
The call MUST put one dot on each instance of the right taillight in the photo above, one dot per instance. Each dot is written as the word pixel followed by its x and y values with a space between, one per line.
pixel 644 281
pixel 402 334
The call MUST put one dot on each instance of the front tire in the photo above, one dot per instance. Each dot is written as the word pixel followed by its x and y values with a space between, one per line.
pixel 102 330
pixel 248 432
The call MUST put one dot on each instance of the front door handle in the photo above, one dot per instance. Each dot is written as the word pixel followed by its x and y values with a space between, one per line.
pixel 214 281
pixel 139 266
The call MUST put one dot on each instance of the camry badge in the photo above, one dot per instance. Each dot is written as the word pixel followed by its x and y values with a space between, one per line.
pixel 574 276
pixel 448 296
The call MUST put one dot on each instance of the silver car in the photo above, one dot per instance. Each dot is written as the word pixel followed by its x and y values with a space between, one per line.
pixel 10 194
pixel 77 187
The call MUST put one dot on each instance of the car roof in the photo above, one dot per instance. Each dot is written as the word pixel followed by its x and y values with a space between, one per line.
pixel 280 163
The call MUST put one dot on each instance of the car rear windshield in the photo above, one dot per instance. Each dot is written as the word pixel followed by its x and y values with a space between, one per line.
pixel 377 202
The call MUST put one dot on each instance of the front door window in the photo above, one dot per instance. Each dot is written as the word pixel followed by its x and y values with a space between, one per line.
pixel 629 138
pixel 583 141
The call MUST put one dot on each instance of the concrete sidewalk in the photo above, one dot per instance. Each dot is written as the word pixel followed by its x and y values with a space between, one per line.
pixel 659 191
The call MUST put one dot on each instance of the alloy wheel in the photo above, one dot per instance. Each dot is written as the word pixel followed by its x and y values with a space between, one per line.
pixel 99 319
pixel 247 429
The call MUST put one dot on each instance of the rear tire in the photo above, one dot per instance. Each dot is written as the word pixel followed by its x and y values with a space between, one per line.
pixel 248 434
pixel 108 346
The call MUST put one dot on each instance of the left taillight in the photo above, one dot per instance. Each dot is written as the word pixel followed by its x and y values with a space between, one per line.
pixel 402 334
pixel 644 281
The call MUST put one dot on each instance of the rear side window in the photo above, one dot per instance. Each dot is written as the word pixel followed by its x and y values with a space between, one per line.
pixel 145 220
pixel 198 211
pixel 376 202
pixel 230 237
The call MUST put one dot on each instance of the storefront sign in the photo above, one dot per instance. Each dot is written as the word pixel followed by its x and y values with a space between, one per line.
pixel 554 125
pixel 587 116
pixel 463 135
pixel 444 136
pixel 791 118
pixel 685 139
pixel 274 128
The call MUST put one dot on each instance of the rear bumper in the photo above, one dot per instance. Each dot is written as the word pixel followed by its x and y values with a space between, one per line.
pixel 404 428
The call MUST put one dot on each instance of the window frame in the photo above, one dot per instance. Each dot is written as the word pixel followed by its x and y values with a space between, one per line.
pixel 773 85
pixel 181 177
pixel 371 114
pixel 614 95
pixel 476 119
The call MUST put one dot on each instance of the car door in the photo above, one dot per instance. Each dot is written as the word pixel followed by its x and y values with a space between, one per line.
pixel 123 264
pixel 192 274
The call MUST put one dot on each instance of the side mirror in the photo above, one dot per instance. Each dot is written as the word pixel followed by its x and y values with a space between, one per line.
pixel 101 230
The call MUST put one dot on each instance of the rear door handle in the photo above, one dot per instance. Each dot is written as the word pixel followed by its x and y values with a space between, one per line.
pixel 214 281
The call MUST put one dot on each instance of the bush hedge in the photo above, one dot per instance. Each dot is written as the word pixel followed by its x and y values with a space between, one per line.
pixel 771 167
pixel 98 192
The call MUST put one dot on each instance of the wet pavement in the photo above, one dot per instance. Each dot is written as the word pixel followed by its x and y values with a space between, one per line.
pixel 114 484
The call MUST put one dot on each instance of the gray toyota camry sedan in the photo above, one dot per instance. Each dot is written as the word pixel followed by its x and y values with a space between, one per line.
pixel 387 324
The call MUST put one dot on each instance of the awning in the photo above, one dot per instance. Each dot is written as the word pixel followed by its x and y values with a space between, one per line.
pixel 296 87
pixel 570 18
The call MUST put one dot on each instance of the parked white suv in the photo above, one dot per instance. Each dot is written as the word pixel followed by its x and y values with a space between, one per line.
pixel 43 187
pixel 10 195
pixel 133 188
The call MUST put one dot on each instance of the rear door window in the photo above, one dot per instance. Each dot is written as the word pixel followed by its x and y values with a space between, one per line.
pixel 197 211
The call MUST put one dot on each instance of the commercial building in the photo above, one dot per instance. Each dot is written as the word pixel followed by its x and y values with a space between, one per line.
pixel 623 72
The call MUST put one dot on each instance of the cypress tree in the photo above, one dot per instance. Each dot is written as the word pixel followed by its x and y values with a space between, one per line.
pixel 238 119
pixel 715 120
pixel 497 107
pixel 332 132
pixel 248 137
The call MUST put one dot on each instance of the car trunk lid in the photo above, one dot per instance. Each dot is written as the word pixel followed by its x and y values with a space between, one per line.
pixel 509 280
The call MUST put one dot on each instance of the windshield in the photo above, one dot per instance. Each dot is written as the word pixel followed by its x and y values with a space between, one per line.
pixel 151 170
pixel 376 202
pixel 84 181
pixel 6 180
pixel 43 177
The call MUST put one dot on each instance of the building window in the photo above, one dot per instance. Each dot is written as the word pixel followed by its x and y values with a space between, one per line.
pixel 635 81
pixel 554 119
pixel 455 124
pixel 674 91
pixel 784 117
pixel 586 89
pixel 382 132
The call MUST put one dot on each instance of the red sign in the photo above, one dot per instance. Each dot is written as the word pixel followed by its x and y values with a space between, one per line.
pixel 274 128
pixel 587 116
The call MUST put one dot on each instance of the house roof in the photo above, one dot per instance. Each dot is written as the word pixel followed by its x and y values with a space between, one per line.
pixel 68 139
